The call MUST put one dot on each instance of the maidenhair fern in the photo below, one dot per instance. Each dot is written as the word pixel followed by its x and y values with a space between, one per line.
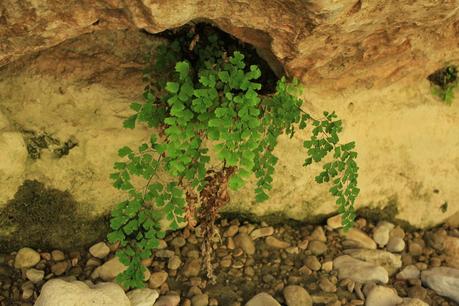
pixel 216 104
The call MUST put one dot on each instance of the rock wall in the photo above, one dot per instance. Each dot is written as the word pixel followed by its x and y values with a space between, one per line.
pixel 69 71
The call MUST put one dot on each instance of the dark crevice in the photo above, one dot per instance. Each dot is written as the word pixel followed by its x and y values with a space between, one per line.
pixel 193 36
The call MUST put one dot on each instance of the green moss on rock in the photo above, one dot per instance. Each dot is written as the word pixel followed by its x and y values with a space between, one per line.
pixel 47 218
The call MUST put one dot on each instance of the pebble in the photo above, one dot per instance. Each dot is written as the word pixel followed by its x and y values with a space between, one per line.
pixel 110 269
pixel 35 275
pixel 396 245
pixel 57 255
pixel 157 279
pixel 178 242
pixel 192 267
pixel 59 268
pixel 297 296
pixel 417 292
pixel 397 232
pixel 415 249
pixel 164 253
pixel 243 241
pixel 359 271
pixel 327 266
pixel 335 222
pixel 263 299
pixel 142 297
pixel 27 290
pixel 262 232
pixel 326 285
pixel 26 258
pixel 387 260
pixel 303 245
pixel 409 272
pixel 99 250
pixel 318 234
pixel 168 300
pixel 360 238
pixel 231 231
pixel 276 243
pixel 174 262
pixel 443 280
pixel 317 247
pixel 382 296
pixel 381 233
pixel 313 263
pixel 323 298
pixel 412 302
pixel 200 300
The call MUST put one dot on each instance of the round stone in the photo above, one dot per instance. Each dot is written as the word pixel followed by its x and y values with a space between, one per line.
pixel 99 250
pixel 26 258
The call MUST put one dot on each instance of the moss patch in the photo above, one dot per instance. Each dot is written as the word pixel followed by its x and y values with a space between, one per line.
pixel 387 213
pixel 46 218
pixel 37 142
pixel 273 219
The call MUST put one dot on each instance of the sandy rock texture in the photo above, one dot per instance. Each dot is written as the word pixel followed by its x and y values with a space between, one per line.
pixel 69 71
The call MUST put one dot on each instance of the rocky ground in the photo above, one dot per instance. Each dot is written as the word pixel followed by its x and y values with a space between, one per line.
pixel 256 265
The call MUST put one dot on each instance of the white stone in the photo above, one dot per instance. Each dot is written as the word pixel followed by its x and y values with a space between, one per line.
pixel 382 296
pixel 360 238
pixel 262 299
pixel 409 272
pixel 444 281
pixel 99 250
pixel 387 260
pixel 58 292
pixel 381 233
pixel 26 258
pixel 359 271
pixel 143 297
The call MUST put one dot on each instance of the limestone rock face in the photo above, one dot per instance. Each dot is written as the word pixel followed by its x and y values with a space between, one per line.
pixel 70 71
pixel 57 292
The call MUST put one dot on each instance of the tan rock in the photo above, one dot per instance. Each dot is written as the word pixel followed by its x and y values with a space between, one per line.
pixel 244 241
pixel 335 222
pixel 262 299
pixel 297 296
pixel 262 232
pixel 142 297
pixel 57 292
pixel 157 279
pixel 99 250
pixel 26 258
pixel 359 271
pixel 359 237
pixel 35 275
pixel 168 300
pixel 276 243
pixel 57 255
pixel 387 260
